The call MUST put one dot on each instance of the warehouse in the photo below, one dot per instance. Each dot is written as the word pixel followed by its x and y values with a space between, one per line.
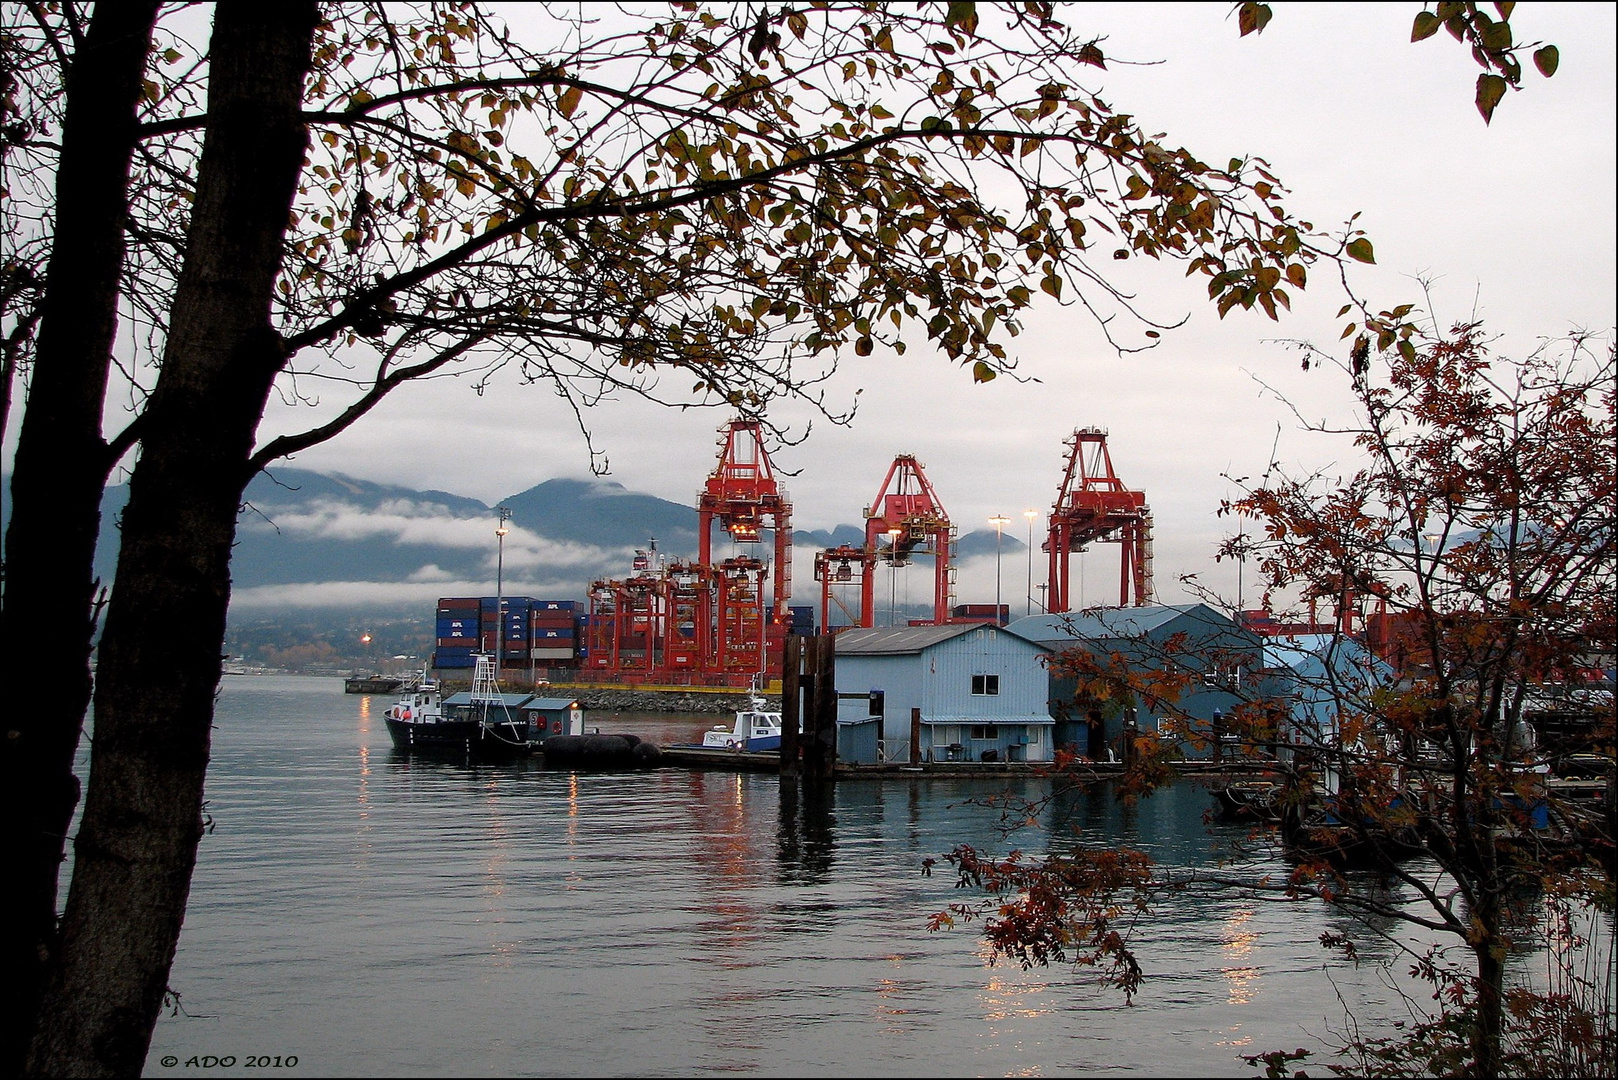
pixel 980 691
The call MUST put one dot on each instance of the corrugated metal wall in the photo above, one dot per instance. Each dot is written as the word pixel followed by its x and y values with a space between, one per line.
pixel 950 665
pixel 939 680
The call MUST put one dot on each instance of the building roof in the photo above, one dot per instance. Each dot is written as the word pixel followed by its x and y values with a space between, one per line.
pixel 510 701
pixel 1310 655
pixel 551 703
pixel 1063 628
pixel 907 640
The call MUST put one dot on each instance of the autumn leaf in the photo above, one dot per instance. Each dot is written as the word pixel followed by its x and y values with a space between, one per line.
pixel 1253 18
pixel 1360 250
pixel 569 101
pixel 1491 88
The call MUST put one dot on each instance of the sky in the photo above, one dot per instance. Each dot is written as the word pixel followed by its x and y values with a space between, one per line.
pixel 1512 222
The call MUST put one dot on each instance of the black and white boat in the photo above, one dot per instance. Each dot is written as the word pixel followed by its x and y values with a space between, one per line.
pixel 482 724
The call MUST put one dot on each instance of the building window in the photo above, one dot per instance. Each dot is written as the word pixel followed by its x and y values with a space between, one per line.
pixel 985 731
pixel 985 684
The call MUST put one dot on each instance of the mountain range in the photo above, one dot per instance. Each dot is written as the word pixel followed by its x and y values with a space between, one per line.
pixel 307 539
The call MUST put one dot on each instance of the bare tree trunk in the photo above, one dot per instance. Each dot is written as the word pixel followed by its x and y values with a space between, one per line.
pixel 160 651
pixel 58 476
pixel 1488 1053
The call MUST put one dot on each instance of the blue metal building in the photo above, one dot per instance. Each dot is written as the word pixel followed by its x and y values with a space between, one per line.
pixel 1226 658
pixel 981 691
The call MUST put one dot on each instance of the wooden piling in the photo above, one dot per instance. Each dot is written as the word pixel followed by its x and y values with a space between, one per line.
pixel 825 714
pixel 915 736
pixel 792 662
pixel 809 692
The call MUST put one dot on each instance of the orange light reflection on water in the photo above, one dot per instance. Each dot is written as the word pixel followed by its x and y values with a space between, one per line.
pixel 1241 978
pixel 363 793
pixel 575 875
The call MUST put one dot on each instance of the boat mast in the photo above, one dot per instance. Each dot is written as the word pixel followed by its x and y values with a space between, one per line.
pixel 500 532
pixel 484 687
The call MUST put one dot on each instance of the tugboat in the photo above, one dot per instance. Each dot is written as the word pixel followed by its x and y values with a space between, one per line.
pixel 480 725
pixel 757 729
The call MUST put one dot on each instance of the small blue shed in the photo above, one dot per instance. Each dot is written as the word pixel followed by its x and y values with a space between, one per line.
pixel 981 691
pixel 1318 677
pixel 1195 638
pixel 544 715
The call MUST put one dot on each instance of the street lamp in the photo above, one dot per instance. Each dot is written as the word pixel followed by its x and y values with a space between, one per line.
pixel 999 521
pixel 893 569
pixel 1030 515
pixel 500 587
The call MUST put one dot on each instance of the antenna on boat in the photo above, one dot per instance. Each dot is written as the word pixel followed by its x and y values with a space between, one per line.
pixel 500 532
pixel 484 686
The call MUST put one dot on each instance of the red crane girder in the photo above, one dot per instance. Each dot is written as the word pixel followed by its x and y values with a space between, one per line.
pixel 742 494
pixel 907 510
pixel 842 565
pixel 1093 505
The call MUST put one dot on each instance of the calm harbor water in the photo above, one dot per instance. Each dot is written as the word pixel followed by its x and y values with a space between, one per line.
pixel 372 914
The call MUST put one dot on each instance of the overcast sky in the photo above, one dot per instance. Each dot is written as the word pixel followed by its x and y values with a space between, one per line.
pixel 1513 221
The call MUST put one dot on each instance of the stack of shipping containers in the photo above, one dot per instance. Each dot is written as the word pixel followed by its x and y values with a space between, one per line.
pixel 529 632
pixel 555 633
pixel 999 614
pixel 458 632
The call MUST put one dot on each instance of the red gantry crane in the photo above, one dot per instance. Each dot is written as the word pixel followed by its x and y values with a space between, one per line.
pixel 743 496
pixel 1093 506
pixel 907 511
pixel 845 565
pixel 704 621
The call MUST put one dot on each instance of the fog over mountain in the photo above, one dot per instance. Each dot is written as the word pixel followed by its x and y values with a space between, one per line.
pixel 309 540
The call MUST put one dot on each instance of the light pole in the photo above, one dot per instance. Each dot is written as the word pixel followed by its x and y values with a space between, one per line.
pixel 999 521
pixel 893 569
pixel 500 588
pixel 1030 515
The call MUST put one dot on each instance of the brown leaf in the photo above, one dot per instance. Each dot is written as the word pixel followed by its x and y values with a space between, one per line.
pixel 1491 88
pixel 569 101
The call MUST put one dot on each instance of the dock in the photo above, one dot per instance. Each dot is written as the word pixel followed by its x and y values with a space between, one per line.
pixel 704 757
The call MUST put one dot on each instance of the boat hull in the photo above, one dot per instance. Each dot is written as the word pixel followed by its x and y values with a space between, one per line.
pixel 371 684
pixel 757 744
pixel 468 739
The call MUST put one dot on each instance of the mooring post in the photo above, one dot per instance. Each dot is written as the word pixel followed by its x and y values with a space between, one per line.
pixel 791 662
pixel 825 722
pixel 878 709
pixel 1131 729
pixel 915 736
pixel 809 687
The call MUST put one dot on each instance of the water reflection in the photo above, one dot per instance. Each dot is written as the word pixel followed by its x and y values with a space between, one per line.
pixel 806 833
pixel 1237 947
pixel 521 921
